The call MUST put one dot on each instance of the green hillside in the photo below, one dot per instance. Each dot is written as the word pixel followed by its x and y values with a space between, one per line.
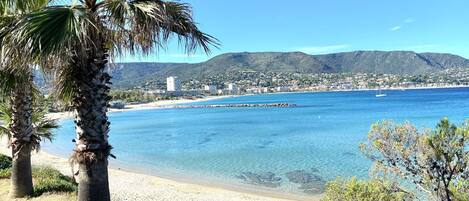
pixel 391 62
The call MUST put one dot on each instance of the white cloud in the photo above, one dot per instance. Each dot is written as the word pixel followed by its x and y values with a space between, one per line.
pixel 409 20
pixel 399 26
pixel 395 28
pixel 321 49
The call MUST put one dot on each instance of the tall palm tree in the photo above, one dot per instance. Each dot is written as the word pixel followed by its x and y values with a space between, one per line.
pixel 80 39
pixel 17 84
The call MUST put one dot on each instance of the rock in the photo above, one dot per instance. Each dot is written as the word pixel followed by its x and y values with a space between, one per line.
pixel 204 141
pixel 348 154
pixel 315 170
pixel 313 187
pixel 267 179
pixel 302 177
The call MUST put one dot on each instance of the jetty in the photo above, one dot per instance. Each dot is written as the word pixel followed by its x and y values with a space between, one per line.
pixel 280 105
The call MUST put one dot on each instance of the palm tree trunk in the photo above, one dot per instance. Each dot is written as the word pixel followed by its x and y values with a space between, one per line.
pixel 21 176
pixel 92 125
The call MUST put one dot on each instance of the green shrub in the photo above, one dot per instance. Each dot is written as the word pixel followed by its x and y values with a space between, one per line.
pixel 5 162
pixel 47 179
pixel 5 173
pixel 434 161
pixel 53 185
pixel 460 191
pixel 354 189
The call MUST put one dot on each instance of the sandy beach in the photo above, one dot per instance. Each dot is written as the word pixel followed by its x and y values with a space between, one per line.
pixel 129 186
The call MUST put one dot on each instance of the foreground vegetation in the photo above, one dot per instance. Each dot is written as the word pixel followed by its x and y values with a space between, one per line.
pixel 408 163
pixel 354 189
pixel 73 40
pixel 49 184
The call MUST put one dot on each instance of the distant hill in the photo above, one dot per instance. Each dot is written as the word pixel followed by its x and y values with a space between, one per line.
pixel 391 62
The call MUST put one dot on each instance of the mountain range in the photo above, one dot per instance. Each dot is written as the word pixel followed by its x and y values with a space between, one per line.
pixel 385 62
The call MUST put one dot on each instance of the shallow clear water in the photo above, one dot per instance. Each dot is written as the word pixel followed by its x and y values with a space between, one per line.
pixel 217 144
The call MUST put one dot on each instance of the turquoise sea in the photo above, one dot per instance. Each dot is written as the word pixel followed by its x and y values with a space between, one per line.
pixel 318 139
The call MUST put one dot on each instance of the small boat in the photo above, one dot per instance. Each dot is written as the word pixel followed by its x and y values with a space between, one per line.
pixel 381 94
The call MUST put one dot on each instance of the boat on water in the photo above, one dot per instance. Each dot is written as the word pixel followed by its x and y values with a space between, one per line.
pixel 381 94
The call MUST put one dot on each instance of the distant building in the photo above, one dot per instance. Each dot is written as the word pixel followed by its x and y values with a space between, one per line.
pixel 282 88
pixel 233 88
pixel 173 84
pixel 212 89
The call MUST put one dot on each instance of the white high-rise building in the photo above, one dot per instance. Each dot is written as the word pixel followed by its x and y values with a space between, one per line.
pixel 232 88
pixel 212 89
pixel 173 84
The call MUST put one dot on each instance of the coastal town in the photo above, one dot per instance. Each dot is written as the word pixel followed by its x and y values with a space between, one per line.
pixel 252 82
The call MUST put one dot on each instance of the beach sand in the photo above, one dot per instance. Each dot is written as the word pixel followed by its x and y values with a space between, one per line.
pixel 129 186
pixel 161 104
pixel 139 187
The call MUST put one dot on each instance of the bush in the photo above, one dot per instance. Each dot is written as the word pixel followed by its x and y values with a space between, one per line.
pixel 354 189
pixel 435 161
pixel 5 167
pixel 5 162
pixel 5 173
pixel 460 191
pixel 47 179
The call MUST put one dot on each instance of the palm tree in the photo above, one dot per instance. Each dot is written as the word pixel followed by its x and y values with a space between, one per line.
pixel 42 126
pixel 42 130
pixel 17 84
pixel 80 39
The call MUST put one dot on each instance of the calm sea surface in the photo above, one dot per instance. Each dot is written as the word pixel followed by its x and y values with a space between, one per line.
pixel 321 136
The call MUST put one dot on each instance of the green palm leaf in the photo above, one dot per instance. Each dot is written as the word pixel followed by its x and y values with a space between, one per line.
pixel 42 125
pixel 141 26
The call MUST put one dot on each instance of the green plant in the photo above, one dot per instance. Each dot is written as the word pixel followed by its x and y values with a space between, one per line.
pixel 77 39
pixel 354 189
pixel 5 162
pixel 435 161
pixel 42 126
pixel 5 166
pixel 5 173
pixel 47 179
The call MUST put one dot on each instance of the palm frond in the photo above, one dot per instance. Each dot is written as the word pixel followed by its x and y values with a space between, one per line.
pixel 21 6
pixel 64 88
pixel 43 129
pixel 5 119
pixel 42 125
pixel 181 23
pixel 5 113
pixel 141 26
pixel 5 132
pixel 11 78
pixel 51 31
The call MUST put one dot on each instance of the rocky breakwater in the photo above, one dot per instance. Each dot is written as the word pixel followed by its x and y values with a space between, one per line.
pixel 236 105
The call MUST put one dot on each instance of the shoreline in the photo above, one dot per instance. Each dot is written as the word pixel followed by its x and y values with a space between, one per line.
pixel 369 89
pixel 161 104
pixel 127 184
pixel 167 104
pixel 131 185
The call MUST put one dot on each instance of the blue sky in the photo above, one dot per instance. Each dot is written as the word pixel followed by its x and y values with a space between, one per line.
pixel 325 26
